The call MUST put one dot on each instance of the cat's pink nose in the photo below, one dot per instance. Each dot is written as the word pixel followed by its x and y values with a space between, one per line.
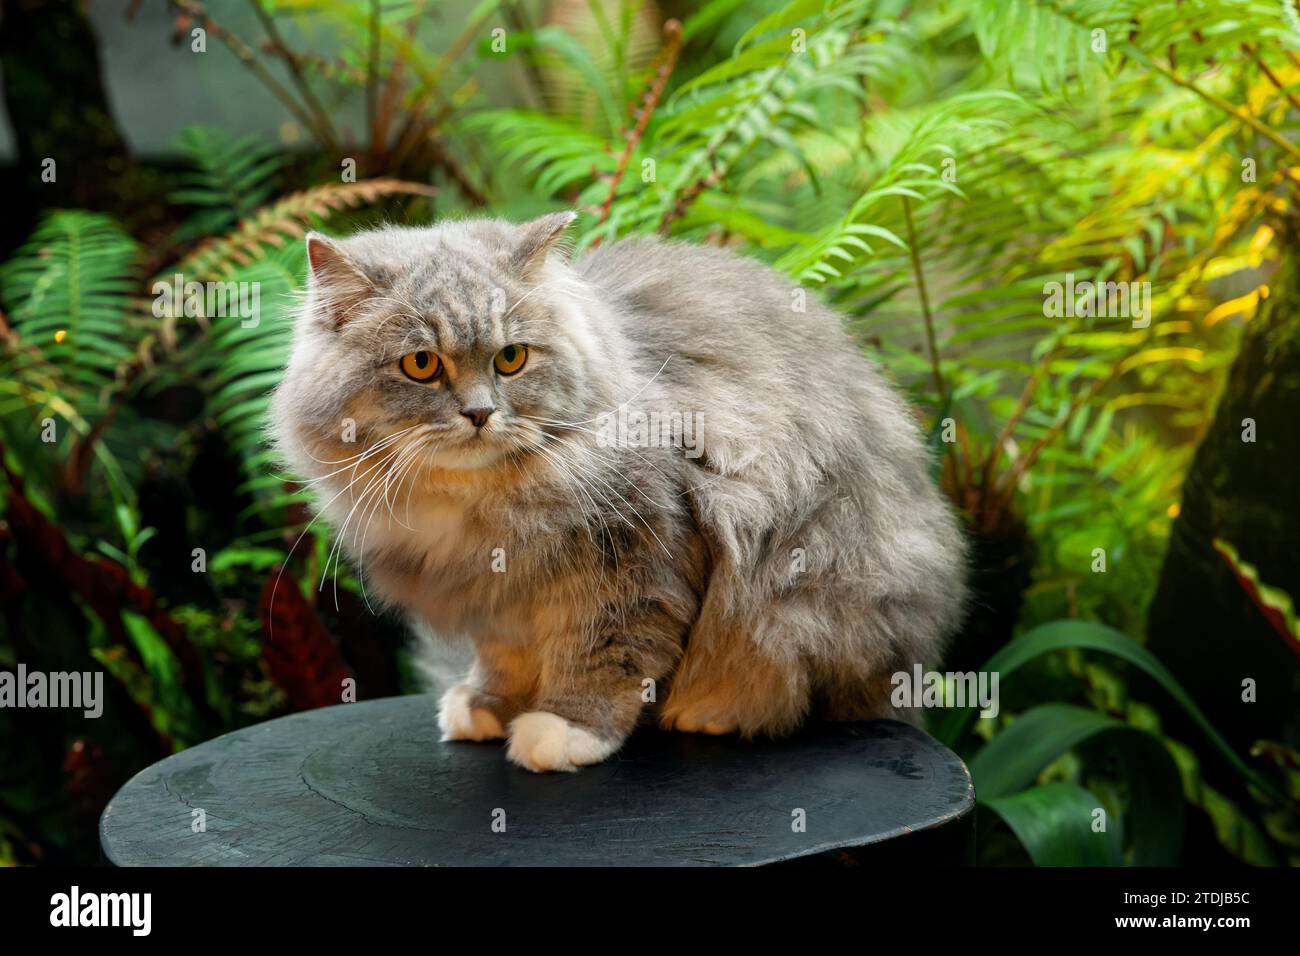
pixel 478 416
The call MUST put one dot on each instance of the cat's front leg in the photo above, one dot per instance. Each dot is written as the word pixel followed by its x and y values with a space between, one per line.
pixel 495 692
pixel 592 692
pixel 462 715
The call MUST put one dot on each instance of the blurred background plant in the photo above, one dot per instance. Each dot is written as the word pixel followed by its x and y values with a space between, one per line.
pixel 928 167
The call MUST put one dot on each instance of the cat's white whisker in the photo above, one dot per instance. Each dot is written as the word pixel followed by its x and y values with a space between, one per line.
pixel 592 431
pixel 520 300
pixel 576 483
pixel 585 481
pixel 292 548
pixel 400 469
pixel 368 518
pixel 595 475
pixel 623 404
pixel 604 458
pixel 420 462
pixel 371 475
pixel 361 454
pixel 372 493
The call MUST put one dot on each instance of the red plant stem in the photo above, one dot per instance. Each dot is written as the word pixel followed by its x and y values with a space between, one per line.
pixel 1253 53
pixel 1021 405
pixel 321 120
pixel 429 88
pixel 1023 464
pixel 247 56
pixel 660 72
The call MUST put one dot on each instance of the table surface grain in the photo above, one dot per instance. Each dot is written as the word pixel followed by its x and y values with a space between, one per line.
pixel 371 784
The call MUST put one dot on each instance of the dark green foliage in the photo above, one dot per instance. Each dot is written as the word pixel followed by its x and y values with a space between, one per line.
pixel 1238 489
pixel 231 178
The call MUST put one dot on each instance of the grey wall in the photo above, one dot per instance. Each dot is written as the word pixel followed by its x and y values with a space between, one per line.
pixel 155 89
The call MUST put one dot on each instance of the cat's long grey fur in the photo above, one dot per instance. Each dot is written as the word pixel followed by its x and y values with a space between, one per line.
pixel 788 563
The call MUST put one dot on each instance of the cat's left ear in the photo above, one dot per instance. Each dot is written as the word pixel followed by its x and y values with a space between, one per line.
pixel 535 240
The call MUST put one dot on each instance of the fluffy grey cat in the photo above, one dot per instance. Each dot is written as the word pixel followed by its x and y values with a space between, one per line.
pixel 650 479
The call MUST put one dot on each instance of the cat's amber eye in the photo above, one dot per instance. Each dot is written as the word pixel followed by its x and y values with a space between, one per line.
pixel 421 366
pixel 511 359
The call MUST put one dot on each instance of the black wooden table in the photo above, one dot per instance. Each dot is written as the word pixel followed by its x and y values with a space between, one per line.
pixel 371 784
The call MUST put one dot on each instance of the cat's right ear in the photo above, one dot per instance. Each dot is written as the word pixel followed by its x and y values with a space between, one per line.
pixel 337 283
pixel 535 240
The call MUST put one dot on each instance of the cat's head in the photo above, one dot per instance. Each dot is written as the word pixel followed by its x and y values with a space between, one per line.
pixel 462 342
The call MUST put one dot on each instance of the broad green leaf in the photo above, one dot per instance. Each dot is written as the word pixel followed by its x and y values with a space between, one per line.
pixel 1020 752
pixel 1088 635
pixel 1054 824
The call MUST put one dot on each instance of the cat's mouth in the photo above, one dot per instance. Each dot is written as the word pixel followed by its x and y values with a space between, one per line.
pixel 477 448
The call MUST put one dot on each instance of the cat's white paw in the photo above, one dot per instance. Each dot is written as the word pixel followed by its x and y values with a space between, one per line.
pixel 541 741
pixel 459 721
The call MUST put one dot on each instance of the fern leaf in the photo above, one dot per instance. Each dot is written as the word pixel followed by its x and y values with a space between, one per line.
pixel 289 218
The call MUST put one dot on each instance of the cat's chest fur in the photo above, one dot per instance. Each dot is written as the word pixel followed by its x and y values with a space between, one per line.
pixel 466 568
pixel 430 536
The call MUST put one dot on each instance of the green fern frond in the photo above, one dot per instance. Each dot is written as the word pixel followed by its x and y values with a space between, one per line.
pixel 246 360
pixel 912 169
pixel 229 178
pixel 67 290
pixel 288 218
pixel 557 152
